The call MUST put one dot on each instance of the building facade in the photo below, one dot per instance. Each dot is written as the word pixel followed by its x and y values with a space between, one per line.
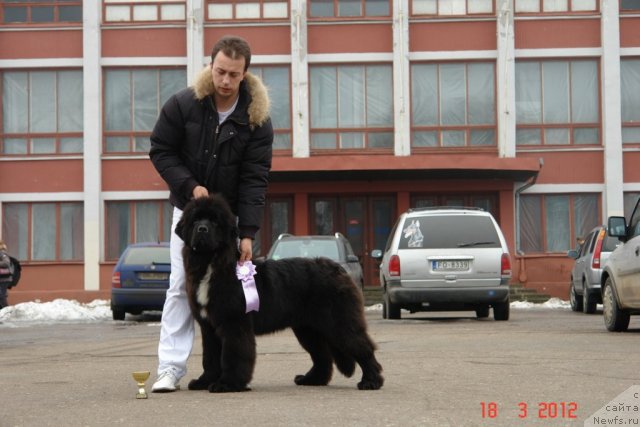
pixel 527 108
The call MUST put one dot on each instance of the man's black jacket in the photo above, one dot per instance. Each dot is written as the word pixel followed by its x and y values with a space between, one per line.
pixel 190 148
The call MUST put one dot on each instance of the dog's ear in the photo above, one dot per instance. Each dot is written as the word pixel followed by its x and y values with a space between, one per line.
pixel 180 228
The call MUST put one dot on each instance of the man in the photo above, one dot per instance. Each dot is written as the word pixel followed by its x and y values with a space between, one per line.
pixel 213 137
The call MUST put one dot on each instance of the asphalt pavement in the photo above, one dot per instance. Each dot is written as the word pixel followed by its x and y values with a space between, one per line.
pixel 543 367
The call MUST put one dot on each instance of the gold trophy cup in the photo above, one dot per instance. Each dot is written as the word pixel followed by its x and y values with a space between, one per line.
pixel 141 377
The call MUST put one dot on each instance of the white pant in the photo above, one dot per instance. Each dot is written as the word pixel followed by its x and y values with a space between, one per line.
pixel 177 332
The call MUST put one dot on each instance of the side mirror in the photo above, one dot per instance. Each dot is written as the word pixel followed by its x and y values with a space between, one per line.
pixel 617 227
pixel 573 254
pixel 352 258
pixel 376 254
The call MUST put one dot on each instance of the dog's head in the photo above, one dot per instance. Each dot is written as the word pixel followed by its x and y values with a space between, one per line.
pixel 208 225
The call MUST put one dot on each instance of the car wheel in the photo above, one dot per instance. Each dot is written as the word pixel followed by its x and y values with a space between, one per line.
pixel 615 319
pixel 589 302
pixel 389 309
pixel 501 310
pixel 482 312
pixel 574 299
pixel 117 313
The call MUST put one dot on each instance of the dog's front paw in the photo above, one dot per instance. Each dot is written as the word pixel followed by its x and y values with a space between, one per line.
pixel 201 383
pixel 222 387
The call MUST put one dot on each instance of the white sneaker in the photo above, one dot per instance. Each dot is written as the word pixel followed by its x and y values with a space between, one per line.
pixel 166 382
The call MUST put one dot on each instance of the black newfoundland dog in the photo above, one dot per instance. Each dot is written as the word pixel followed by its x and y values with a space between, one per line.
pixel 314 297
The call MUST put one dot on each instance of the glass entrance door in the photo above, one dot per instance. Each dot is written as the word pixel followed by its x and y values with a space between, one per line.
pixel 364 220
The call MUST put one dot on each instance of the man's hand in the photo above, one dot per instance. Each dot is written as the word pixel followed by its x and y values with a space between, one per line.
pixel 200 191
pixel 246 249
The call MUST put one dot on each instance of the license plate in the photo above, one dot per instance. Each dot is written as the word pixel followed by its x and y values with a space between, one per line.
pixel 450 265
pixel 153 276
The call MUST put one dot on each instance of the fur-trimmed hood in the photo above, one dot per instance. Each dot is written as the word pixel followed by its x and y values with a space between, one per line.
pixel 259 104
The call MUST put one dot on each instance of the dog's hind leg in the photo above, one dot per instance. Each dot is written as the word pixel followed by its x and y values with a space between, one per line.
pixel 318 348
pixel 371 369
pixel 358 345
pixel 371 372
pixel 211 348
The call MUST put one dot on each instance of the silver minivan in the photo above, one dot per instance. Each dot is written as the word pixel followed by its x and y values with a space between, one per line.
pixel 445 259
pixel 590 256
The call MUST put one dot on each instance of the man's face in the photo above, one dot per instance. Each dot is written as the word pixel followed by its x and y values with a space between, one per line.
pixel 227 74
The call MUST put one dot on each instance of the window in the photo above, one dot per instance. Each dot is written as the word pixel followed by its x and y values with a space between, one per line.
pixel 630 85
pixel 629 5
pixel 247 9
pixel 132 102
pixel 449 231
pixel 41 112
pixel 278 219
pixel 351 107
pixel 134 222
pixel 44 231
pixel 40 11
pixel 634 217
pixel 550 6
pixel 485 201
pixel 451 7
pixel 324 212
pixel 349 8
pixel 557 103
pixel 144 11
pixel 453 105
pixel 307 248
pixel 551 223
pixel 277 81
pixel 630 200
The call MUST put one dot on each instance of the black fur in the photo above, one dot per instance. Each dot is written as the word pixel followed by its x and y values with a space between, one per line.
pixel 314 297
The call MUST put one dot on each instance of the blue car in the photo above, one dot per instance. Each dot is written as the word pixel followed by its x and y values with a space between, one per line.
pixel 140 279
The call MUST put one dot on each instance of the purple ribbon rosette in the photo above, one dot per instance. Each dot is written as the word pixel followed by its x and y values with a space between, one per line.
pixel 245 272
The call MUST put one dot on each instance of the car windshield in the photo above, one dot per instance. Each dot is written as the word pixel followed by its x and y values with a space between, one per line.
pixel 451 231
pixel 150 255
pixel 306 248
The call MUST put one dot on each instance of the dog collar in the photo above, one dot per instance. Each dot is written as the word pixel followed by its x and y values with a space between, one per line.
pixel 245 272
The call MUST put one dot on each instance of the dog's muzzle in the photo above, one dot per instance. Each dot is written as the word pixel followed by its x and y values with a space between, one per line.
pixel 202 236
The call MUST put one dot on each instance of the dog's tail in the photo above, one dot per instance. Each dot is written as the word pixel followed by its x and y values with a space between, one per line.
pixel 345 363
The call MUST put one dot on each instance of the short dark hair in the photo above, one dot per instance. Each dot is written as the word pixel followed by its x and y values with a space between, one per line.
pixel 234 47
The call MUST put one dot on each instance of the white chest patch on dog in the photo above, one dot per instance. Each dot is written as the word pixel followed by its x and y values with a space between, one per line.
pixel 203 288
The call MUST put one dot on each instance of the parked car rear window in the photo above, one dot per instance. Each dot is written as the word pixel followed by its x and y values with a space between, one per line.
pixel 452 231
pixel 307 249
pixel 143 256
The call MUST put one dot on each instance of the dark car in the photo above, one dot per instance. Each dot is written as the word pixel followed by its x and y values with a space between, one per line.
pixel 591 255
pixel 335 247
pixel 140 279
